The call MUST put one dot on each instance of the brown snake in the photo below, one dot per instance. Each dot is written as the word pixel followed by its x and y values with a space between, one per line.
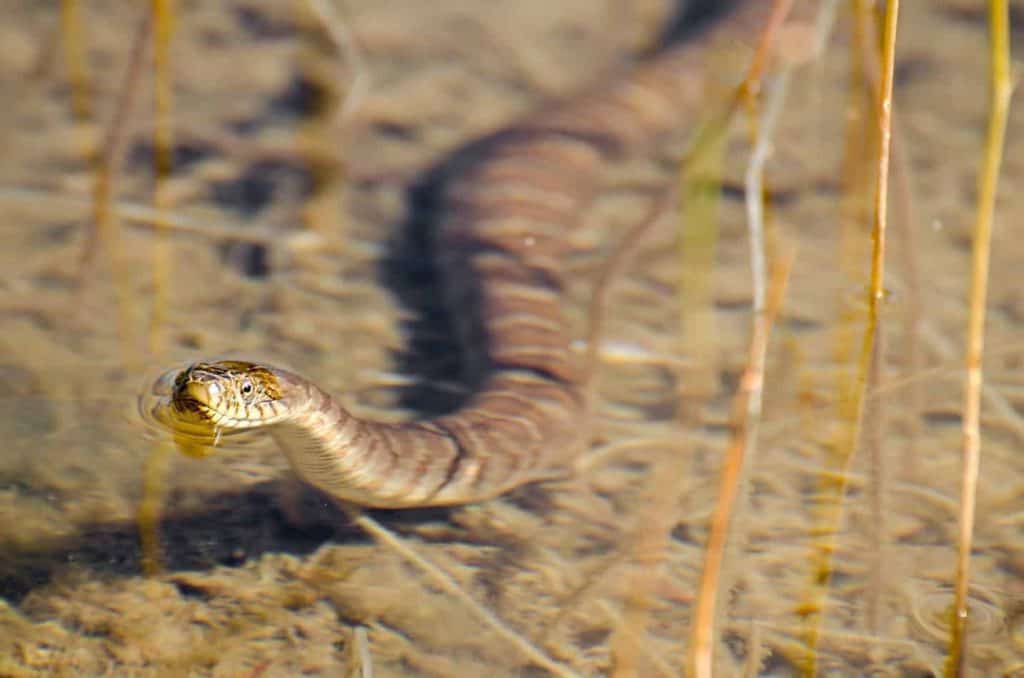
pixel 506 213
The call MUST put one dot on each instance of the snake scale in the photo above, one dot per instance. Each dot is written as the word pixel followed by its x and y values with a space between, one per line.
pixel 506 214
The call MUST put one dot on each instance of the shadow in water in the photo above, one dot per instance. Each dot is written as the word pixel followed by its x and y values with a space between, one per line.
pixel 446 343
pixel 231 529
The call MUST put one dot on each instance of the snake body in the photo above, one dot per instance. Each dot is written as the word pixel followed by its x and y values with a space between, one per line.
pixel 506 213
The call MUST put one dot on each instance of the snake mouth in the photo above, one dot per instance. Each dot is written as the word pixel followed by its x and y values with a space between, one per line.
pixel 229 395
pixel 196 398
pixel 184 402
pixel 181 416
pixel 195 408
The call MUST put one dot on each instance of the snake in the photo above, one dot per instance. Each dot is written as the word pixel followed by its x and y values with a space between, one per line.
pixel 507 212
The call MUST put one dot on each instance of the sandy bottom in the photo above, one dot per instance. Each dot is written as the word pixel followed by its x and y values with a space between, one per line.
pixel 268 257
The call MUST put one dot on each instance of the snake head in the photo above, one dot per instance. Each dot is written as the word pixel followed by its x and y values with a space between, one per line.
pixel 229 394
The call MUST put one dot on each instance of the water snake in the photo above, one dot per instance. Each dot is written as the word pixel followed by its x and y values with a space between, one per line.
pixel 506 215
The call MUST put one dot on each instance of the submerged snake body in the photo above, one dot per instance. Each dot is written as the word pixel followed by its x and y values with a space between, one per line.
pixel 506 213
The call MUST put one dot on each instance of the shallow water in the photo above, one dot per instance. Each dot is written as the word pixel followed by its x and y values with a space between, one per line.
pixel 247 591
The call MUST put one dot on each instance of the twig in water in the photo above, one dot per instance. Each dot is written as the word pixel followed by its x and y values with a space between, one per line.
pixel 988 180
pixel 104 227
pixel 163 141
pixel 74 59
pixel 345 41
pixel 854 409
pixel 747 412
pixel 390 540
pixel 362 647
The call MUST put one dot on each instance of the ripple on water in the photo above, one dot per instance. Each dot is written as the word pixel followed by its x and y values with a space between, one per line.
pixel 932 610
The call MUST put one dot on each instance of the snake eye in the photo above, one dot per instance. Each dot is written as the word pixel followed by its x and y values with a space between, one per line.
pixel 247 387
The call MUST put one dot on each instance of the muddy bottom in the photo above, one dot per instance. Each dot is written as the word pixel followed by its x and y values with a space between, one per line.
pixel 291 239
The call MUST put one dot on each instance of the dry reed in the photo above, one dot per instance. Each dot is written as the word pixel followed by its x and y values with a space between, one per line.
pixel 853 408
pixel 747 406
pixel 102 235
pixel 988 180
pixel 72 38
pixel 162 20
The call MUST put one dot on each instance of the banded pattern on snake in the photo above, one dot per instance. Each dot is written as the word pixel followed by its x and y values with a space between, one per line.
pixel 506 214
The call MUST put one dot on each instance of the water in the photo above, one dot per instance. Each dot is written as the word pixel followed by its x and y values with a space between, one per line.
pixel 260 578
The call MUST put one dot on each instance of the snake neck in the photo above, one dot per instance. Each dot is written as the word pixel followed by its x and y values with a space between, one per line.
pixel 512 432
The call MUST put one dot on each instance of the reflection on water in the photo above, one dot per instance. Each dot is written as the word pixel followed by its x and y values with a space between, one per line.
pixel 262 576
